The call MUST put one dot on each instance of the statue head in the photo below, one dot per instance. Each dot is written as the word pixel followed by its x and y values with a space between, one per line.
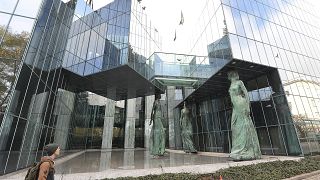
pixel 157 96
pixel 233 75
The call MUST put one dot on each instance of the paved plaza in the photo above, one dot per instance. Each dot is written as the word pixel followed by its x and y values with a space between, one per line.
pixel 98 164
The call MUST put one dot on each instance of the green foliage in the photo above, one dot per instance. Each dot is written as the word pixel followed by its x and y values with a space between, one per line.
pixel 262 171
pixel 11 50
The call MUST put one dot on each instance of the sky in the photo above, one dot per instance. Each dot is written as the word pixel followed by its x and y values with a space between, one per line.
pixel 164 14
pixel 165 17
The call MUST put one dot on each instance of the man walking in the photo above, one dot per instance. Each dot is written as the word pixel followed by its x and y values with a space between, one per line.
pixel 46 170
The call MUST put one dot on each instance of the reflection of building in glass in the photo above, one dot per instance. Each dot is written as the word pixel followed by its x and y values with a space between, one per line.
pixel 75 59
pixel 88 77
pixel 220 49
pixel 264 36
pixel 297 94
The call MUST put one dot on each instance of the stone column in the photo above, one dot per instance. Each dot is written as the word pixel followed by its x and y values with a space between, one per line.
pixel 147 128
pixel 128 159
pixel 105 160
pixel 63 109
pixel 171 104
pixel 146 155
pixel 129 137
pixel 108 121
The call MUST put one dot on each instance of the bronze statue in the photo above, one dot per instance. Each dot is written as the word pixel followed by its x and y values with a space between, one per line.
pixel 157 144
pixel 186 130
pixel 245 143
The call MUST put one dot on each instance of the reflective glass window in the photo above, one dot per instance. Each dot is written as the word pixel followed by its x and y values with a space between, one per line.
pixel 236 51
pixel 26 8
pixel 229 19
pixel 238 22
pixel 246 25
pixel 245 49
pixel 4 22
pixel 8 5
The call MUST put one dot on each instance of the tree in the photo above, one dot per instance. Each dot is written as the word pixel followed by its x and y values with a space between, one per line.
pixel 300 122
pixel 11 50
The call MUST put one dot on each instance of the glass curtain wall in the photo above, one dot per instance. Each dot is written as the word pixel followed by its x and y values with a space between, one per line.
pixel 269 112
pixel 282 34
pixel 17 19
pixel 98 40
pixel 29 121
pixel 144 39
pixel 15 29
pixel 42 105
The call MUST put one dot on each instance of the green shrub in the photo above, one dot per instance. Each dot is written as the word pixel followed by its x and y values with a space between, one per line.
pixel 263 171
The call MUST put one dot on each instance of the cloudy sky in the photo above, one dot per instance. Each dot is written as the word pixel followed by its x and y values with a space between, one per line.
pixel 164 14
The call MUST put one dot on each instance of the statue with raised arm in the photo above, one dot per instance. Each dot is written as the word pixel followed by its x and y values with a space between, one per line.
pixel 245 143
pixel 157 144
pixel 186 130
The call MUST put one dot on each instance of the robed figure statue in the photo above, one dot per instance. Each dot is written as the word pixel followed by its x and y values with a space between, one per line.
pixel 245 143
pixel 186 130
pixel 157 136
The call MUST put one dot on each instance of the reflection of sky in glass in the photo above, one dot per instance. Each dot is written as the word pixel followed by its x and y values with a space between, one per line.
pixel 7 5
pixel 82 9
pixel 19 24
pixel 28 8
pixel 262 94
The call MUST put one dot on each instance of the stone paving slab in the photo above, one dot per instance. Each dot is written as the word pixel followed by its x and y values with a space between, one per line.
pixel 194 169
pixel 20 174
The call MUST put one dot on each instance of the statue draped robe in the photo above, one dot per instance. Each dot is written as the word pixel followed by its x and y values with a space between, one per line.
pixel 245 143
pixel 157 144
pixel 186 131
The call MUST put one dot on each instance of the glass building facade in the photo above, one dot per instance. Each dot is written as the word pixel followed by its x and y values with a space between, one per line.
pixel 84 76
pixel 54 54
pixel 281 35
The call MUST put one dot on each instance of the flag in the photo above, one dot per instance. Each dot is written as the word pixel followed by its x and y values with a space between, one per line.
pixel 90 3
pixel 181 19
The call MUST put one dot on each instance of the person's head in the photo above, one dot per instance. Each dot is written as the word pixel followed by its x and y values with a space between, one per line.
pixel 52 149
pixel 233 75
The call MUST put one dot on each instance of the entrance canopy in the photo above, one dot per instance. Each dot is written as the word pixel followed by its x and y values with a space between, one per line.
pixel 118 84
pixel 218 84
